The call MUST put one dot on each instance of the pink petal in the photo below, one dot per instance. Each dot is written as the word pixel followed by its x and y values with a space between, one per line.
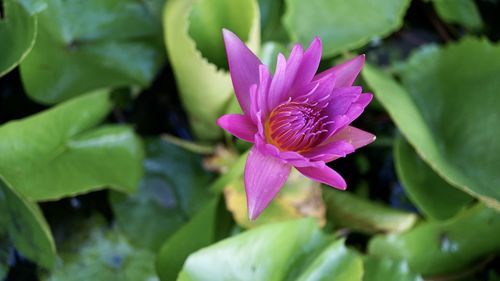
pixel 342 99
pixel 356 137
pixel 330 151
pixel 354 111
pixel 345 73
pixel 324 175
pixel 358 106
pixel 309 65
pixel 264 177
pixel 277 87
pixel 243 66
pixel 292 69
pixel 265 79
pixel 238 125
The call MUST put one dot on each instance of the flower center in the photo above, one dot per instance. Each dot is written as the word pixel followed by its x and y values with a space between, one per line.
pixel 294 126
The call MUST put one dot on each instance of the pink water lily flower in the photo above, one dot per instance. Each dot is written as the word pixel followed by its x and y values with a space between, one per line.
pixel 294 118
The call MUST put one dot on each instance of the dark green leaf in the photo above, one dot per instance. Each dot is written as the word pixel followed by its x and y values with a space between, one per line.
pixel 462 12
pixel 83 46
pixel 18 28
pixel 455 136
pixel 434 197
pixel 271 12
pixel 442 247
pixel 100 253
pixel 173 189
pixel 4 253
pixel 27 228
pixel 197 233
pixel 56 153
pixel 342 25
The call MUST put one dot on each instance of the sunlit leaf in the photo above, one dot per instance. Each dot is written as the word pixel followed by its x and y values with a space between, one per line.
pixel 57 153
pixel 442 247
pixel 335 262
pixel 345 209
pixel 294 250
pixel 436 198
pixel 193 35
pixel 385 269
pixel 299 197
pixel 83 46
pixel 173 189
pixel 26 227
pixel 342 25
pixel 455 136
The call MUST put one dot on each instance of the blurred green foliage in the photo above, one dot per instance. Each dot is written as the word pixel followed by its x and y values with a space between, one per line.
pixel 92 189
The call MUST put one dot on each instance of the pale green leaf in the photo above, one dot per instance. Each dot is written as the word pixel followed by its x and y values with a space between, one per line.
pixel 193 35
pixel 386 269
pixel 345 209
pixel 282 251
pixel 443 247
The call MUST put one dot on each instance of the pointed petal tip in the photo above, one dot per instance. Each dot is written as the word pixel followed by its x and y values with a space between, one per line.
pixel 342 187
pixel 227 32
pixel 252 215
pixel 238 125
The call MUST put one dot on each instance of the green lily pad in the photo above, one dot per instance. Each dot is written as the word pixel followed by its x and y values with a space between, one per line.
pixel 195 48
pixel 27 228
pixel 199 232
pixel 442 247
pixel 101 253
pixel 335 261
pixel 173 189
pixel 82 46
pixel 448 121
pixel 18 28
pixel 293 250
pixel 433 196
pixel 464 12
pixel 57 153
pixel 342 25
pixel 385 269
pixel 345 209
